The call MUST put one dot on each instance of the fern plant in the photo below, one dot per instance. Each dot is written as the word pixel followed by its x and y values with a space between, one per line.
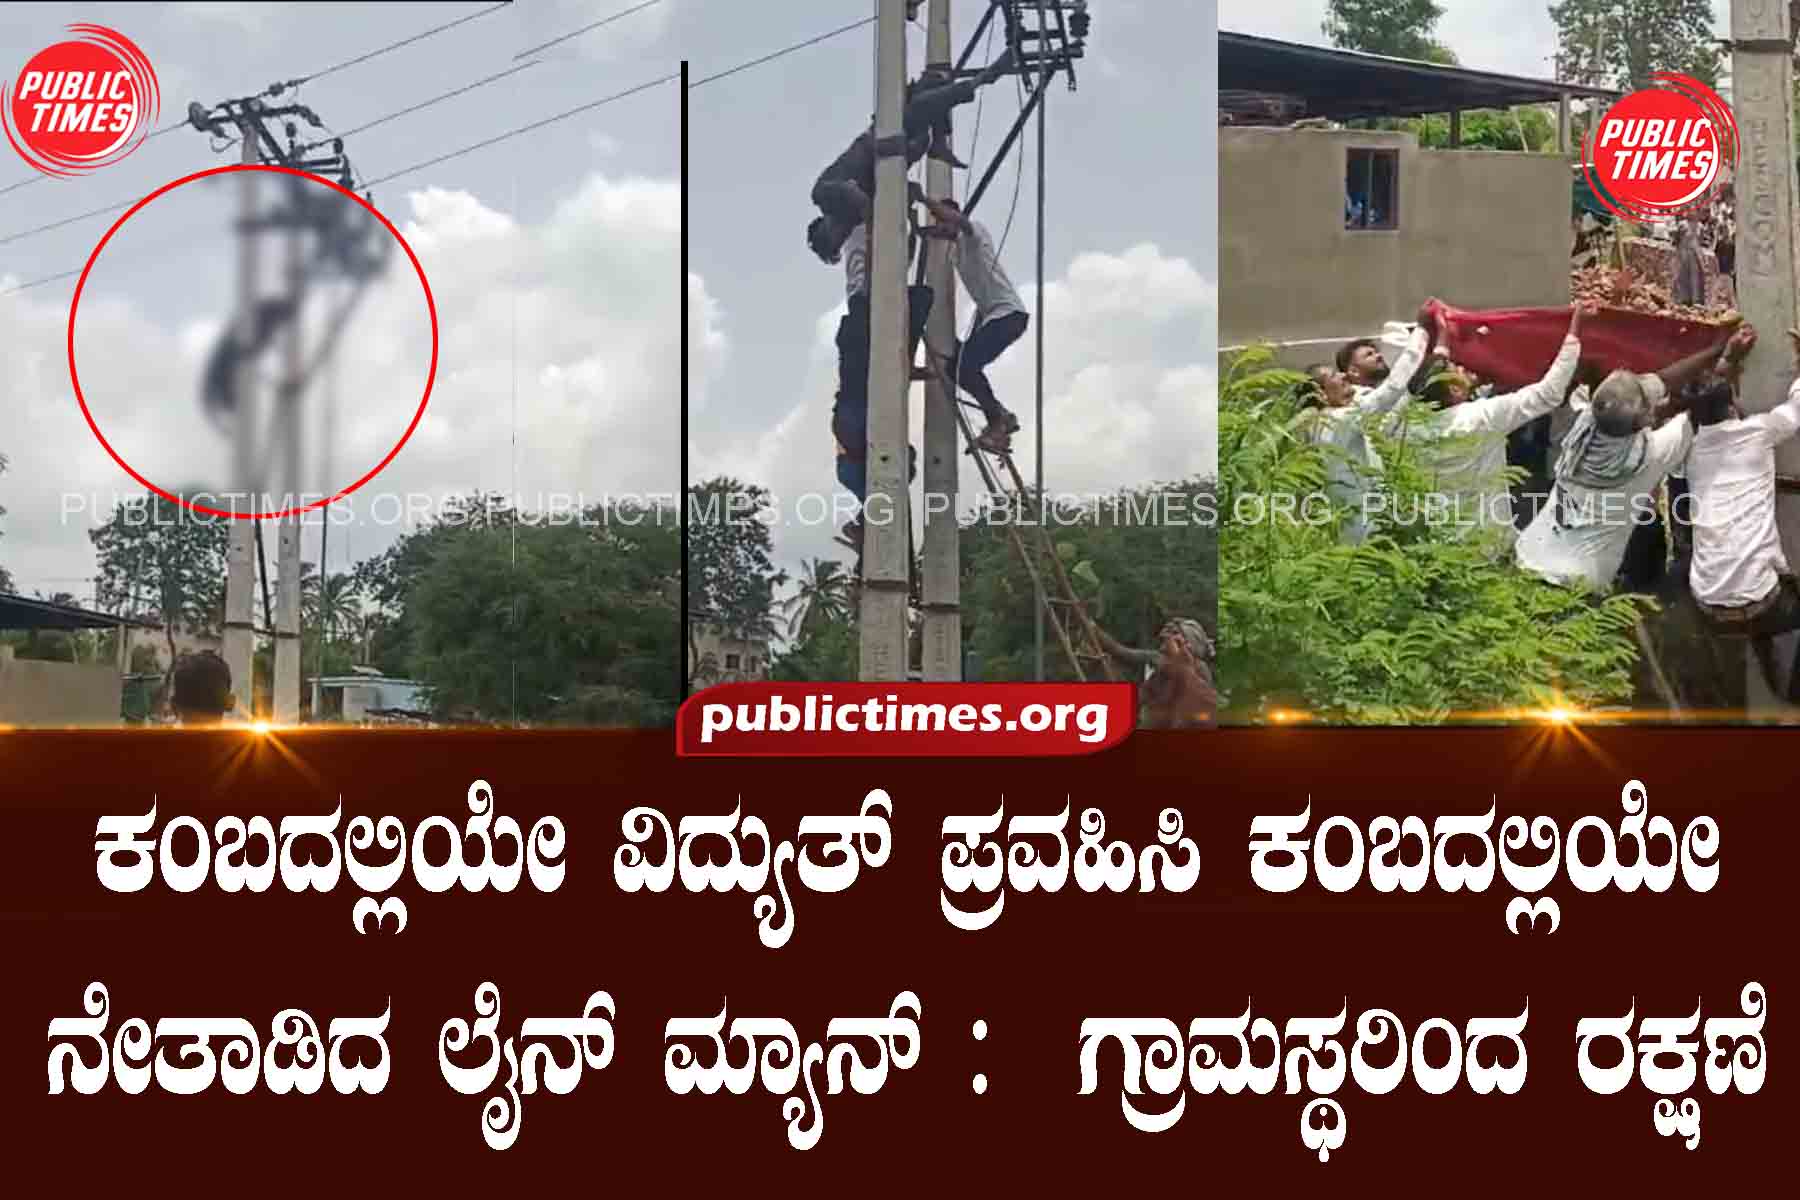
pixel 1419 622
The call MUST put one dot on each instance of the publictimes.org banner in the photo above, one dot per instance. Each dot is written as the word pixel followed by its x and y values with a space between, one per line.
pixel 811 720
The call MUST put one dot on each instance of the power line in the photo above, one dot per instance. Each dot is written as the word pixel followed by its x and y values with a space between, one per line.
pixel 757 62
pixel 523 129
pixel 78 217
pixel 417 37
pixel 585 28
pixel 350 62
pixel 423 104
pixel 486 142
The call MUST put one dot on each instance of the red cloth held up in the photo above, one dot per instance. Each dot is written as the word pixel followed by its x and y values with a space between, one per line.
pixel 1515 346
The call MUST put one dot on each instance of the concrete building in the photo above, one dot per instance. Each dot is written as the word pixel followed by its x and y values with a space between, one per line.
pixel 365 696
pixel 1327 233
pixel 723 658
pixel 56 694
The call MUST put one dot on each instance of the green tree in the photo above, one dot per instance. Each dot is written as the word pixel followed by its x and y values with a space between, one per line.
pixel 821 597
pixel 332 604
pixel 159 559
pixel 1411 626
pixel 1397 28
pixel 828 653
pixel 549 622
pixel 731 576
pixel 1526 128
pixel 1137 558
pixel 1621 43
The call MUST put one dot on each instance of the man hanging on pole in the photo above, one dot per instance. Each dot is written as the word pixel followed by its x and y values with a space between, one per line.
pixel 845 191
pixel 850 415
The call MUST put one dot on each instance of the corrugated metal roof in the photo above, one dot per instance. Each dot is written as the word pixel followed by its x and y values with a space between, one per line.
pixel 1346 84
pixel 23 612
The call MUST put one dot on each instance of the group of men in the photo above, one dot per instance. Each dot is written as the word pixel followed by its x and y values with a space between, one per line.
pixel 1628 433
pixel 844 194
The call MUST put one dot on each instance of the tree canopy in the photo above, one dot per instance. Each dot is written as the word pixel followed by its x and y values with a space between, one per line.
pixel 1397 28
pixel 505 617
pixel 1621 43
pixel 158 559
pixel 731 577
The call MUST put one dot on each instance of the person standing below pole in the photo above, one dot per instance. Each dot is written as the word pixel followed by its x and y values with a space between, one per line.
pixel 1000 316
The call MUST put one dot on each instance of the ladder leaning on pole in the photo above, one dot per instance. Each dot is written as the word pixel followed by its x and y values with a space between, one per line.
pixel 1045 38
pixel 1068 617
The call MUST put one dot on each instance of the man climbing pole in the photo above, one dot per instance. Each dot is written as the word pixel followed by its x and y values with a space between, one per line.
pixel 845 190
pixel 1000 316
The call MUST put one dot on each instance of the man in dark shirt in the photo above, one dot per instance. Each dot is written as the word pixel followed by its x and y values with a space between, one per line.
pixel 845 190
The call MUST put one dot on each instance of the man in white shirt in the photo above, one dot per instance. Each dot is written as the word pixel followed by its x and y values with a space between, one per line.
pixel 1609 468
pixel 1464 442
pixel 1739 576
pixel 1000 317
pixel 1334 412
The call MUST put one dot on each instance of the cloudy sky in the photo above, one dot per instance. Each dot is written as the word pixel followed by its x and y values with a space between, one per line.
pixel 1512 36
pixel 553 259
pixel 1130 255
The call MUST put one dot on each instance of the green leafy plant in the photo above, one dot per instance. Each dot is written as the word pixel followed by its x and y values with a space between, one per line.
pixel 1419 622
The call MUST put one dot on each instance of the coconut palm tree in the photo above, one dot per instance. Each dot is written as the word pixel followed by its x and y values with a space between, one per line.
pixel 822 597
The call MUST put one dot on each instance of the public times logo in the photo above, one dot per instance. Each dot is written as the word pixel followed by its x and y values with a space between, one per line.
pixel 1661 151
pixel 81 105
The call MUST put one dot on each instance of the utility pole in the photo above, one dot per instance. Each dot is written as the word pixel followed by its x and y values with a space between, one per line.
pixel 1037 644
pixel 1762 79
pixel 284 697
pixel 330 432
pixel 240 550
pixel 941 583
pixel 887 517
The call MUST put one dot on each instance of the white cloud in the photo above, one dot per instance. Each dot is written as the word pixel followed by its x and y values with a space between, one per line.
pixel 708 346
pixel 592 372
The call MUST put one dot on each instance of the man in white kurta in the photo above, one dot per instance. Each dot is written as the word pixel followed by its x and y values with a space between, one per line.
pixel 1739 576
pixel 1465 444
pixel 1609 469
pixel 1335 417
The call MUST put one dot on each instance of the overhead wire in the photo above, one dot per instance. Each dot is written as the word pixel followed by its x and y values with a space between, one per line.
pixel 320 74
pixel 555 41
pixel 472 147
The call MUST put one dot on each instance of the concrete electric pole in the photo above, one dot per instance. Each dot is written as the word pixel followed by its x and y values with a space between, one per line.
pixel 284 697
pixel 941 583
pixel 1762 84
pixel 887 541
pixel 240 550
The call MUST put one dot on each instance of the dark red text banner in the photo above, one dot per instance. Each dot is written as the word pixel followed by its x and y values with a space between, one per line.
pixel 1006 1002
